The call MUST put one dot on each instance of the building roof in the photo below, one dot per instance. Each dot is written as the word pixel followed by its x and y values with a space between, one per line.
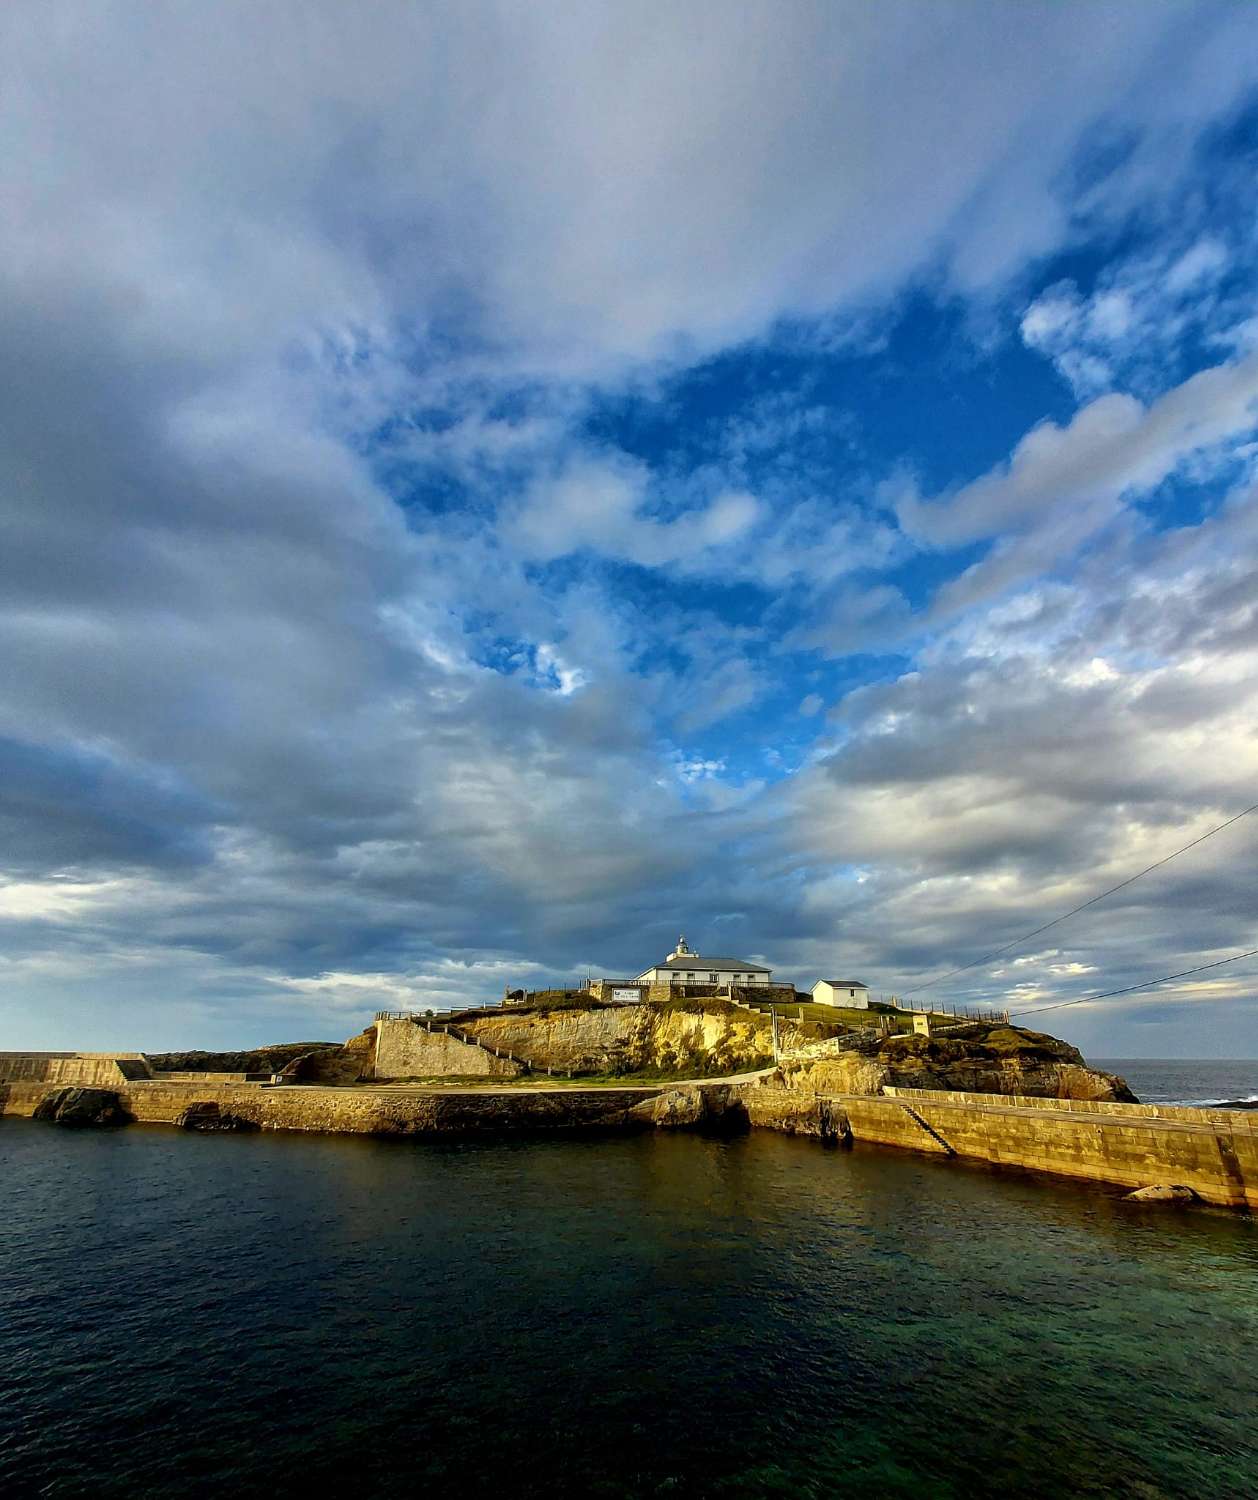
pixel 702 961
pixel 844 984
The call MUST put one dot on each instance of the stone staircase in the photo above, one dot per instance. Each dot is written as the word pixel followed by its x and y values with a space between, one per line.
pixel 459 1035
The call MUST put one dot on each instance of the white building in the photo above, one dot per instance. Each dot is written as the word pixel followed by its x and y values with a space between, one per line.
pixel 684 967
pixel 850 993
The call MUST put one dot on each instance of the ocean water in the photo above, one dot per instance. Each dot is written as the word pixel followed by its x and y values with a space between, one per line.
pixel 668 1315
pixel 1181 1080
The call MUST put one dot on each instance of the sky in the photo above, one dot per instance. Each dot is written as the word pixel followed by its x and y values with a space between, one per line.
pixel 487 488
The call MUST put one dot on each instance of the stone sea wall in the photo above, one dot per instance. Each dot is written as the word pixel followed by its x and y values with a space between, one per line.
pixel 364 1111
pixel 1213 1152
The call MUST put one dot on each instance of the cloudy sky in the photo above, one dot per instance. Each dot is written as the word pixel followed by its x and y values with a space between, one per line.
pixel 486 487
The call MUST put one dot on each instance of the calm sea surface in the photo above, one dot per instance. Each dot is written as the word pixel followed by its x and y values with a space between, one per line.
pixel 188 1315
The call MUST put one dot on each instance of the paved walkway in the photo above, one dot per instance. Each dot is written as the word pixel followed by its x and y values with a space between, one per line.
pixel 551 1087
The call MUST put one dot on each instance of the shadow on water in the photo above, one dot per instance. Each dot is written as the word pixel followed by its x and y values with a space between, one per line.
pixel 634 1315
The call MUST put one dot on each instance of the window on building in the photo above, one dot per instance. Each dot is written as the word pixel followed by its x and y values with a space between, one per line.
pixel 711 978
pixel 689 976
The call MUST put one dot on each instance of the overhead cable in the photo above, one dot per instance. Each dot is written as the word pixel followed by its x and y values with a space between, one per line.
pixel 1131 989
pixel 1074 911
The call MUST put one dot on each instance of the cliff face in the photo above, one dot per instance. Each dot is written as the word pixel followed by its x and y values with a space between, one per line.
pixel 981 1059
pixel 700 1038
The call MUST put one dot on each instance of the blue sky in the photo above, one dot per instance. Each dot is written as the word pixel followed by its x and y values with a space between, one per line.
pixel 491 487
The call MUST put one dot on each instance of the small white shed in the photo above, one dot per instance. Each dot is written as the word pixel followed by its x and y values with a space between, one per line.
pixel 849 993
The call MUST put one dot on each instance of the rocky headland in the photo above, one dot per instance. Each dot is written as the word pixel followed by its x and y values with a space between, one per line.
pixel 989 1092
pixel 712 1038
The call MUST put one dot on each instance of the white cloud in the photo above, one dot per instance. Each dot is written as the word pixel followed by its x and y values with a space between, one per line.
pixel 480 157
pixel 602 504
pixel 552 667
pixel 1132 328
pixel 1062 485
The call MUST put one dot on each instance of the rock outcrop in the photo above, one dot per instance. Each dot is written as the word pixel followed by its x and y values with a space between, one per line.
pixel 208 1115
pixel 81 1107
pixel 794 1113
pixel 980 1059
pixel 693 1107
pixel 334 1065
pixel 255 1060
pixel 1163 1193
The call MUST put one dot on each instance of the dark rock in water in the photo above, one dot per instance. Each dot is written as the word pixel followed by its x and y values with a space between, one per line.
pixel 693 1107
pixel 773 1108
pixel 1162 1193
pixel 208 1116
pixel 82 1107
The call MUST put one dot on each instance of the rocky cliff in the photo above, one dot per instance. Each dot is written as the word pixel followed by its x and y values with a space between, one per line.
pixel 980 1059
pixel 703 1038
pixel 696 1038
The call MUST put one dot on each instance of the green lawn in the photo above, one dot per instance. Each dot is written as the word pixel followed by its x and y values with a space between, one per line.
pixel 841 1016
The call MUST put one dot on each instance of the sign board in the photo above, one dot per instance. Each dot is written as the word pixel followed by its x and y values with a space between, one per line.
pixel 626 997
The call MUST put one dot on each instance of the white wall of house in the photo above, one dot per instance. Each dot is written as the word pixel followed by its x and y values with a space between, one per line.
pixel 701 975
pixel 851 997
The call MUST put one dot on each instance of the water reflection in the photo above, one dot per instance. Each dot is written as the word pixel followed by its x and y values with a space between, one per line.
pixel 629 1316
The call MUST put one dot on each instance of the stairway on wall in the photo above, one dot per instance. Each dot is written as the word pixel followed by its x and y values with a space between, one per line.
pixel 469 1040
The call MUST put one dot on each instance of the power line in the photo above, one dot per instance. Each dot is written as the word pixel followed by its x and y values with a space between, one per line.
pixel 1074 911
pixel 1130 989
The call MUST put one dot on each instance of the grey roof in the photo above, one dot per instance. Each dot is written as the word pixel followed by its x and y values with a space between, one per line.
pixel 844 984
pixel 702 961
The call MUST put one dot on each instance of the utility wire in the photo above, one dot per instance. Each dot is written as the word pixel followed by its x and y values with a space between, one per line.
pixel 1074 911
pixel 1130 989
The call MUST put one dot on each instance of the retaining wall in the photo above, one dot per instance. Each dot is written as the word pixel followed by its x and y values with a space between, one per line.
pixel 90 1069
pixel 404 1049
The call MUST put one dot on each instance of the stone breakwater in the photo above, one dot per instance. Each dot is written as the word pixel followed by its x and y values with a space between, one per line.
pixel 365 1111
pixel 1212 1152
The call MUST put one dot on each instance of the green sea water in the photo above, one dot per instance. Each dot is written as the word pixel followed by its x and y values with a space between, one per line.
pixel 646 1315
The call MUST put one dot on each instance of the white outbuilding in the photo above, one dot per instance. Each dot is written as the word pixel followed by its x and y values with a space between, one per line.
pixel 849 993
